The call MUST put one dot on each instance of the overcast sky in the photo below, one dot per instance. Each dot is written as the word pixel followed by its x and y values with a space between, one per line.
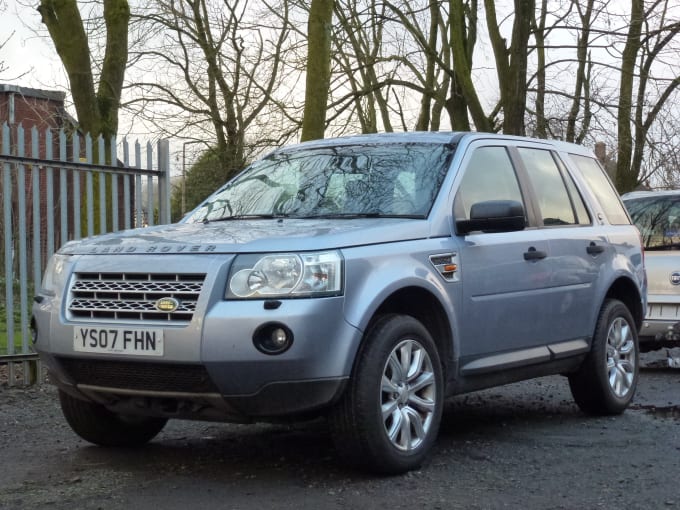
pixel 31 61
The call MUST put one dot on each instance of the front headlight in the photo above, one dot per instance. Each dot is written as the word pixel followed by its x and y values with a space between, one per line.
pixel 285 275
pixel 56 274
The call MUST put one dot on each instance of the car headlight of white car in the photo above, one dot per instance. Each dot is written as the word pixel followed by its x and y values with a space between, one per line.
pixel 281 275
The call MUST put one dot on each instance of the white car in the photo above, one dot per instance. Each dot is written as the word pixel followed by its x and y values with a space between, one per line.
pixel 657 216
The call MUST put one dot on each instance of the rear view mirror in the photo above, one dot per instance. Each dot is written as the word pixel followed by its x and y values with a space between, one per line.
pixel 493 216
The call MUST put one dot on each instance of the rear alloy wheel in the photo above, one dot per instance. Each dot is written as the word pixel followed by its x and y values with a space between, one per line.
pixel 96 424
pixel 606 382
pixel 389 416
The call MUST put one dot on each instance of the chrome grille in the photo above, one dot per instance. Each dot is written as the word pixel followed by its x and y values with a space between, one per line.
pixel 133 296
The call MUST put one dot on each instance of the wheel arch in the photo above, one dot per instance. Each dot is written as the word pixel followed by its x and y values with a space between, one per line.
pixel 627 292
pixel 423 306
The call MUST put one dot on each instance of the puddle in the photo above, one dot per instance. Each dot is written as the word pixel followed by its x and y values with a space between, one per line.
pixel 672 412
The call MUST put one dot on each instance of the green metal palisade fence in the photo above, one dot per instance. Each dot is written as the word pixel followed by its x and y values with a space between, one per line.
pixel 49 197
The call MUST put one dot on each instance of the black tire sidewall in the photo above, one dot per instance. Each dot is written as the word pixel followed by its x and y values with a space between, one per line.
pixel 613 310
pixel 96 424
pixel 389 332
pixel 590 385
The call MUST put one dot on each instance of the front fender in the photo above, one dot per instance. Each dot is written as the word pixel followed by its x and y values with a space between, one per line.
pixel 374 273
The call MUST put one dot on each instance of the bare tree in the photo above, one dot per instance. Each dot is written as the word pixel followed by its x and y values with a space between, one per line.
pixel 3 66
pixel 443 35
pixel 653 28
pixel 222 66
pixel 360 43
pixel 583 68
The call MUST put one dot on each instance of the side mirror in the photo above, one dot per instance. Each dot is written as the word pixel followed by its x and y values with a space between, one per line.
pixel 493 216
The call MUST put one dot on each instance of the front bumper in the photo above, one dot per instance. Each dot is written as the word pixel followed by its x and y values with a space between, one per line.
pixel 210 368
pixel 191 394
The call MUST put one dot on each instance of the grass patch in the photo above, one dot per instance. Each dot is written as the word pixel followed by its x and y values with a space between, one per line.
pixel 4 333
pixel 16 292
pixel 4 342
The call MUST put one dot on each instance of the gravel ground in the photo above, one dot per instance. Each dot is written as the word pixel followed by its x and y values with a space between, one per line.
pixel 524 445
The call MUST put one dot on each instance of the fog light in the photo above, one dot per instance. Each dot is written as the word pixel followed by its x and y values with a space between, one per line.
pixel 273 338
pixel 279 338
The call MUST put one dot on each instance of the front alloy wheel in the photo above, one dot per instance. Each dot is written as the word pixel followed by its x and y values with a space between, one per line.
pixel 408 395
pixel 388 417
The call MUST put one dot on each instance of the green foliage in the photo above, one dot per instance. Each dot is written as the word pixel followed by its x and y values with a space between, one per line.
pixel 16 316
pixel 204 177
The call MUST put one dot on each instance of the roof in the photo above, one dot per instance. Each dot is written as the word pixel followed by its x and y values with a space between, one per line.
pixel 436 137
pixel 51 95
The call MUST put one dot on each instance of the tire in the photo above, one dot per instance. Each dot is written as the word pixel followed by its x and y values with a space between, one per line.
pixel 98 425
pixel 606 381
pixel 388 419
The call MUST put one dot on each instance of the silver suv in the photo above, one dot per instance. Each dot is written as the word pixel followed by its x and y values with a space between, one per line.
pixel 364 279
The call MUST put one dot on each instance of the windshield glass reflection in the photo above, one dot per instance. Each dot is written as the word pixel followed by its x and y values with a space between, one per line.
pixel 341 181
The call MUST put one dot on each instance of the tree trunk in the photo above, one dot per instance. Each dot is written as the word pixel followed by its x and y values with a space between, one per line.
pixel 97 111
pixel 539 35
pixel 462 67
pixel 626 179
pixel 511 63
pixel 581 69
pixel 318 69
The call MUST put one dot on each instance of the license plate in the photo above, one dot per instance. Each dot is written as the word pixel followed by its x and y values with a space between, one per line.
pixel 140 342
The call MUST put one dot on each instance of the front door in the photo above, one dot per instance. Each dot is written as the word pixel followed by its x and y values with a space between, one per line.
pixel 506 277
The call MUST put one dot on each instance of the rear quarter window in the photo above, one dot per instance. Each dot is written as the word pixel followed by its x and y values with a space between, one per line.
pixel 602 188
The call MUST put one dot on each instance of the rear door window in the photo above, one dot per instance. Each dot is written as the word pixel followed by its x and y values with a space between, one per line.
pixel 556 205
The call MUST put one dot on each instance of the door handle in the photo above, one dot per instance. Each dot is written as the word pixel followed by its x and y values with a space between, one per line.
pixel 594 249
pixel 534 254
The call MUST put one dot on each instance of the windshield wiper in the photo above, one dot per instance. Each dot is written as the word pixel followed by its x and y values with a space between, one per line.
pixel 266 216
pixel 332 216
pixel 349 216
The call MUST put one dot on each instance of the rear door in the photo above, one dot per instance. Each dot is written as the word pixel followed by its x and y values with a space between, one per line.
pixel 578 249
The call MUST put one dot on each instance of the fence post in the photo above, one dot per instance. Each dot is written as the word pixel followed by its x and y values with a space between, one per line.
pixel 9 247
pixel 164 181
pixel 127 199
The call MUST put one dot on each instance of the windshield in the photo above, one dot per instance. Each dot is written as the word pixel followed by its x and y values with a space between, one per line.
pixel 395 180
pixel 658 219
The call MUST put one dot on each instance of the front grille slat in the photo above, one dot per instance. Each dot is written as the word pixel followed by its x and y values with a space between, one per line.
pixel 142 376
pixel 133 296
